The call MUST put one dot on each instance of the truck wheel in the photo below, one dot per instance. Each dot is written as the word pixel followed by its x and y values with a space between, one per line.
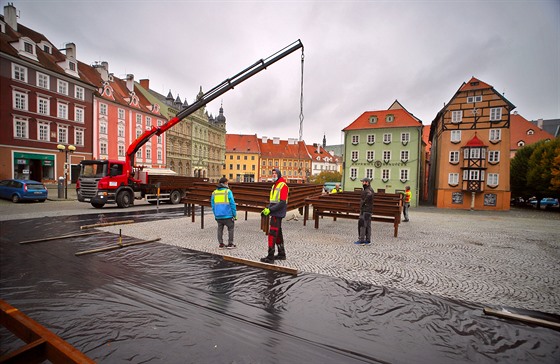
pixel 97 205
pixel 124 199
pixel 175 197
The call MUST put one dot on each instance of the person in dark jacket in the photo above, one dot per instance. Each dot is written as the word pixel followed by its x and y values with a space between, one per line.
pixel 225 212
pixel 366 209
pixel 277 211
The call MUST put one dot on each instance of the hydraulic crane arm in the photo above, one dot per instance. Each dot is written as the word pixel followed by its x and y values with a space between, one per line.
pixel 217 91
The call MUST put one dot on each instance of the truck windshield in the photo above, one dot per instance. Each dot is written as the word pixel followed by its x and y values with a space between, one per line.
pixel 95 170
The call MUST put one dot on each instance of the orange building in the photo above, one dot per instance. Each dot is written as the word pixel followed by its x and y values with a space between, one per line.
pixel 470 149
pixel 242 158
pixel 290 156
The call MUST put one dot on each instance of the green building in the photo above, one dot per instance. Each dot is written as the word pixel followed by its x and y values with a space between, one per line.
pixel 385 146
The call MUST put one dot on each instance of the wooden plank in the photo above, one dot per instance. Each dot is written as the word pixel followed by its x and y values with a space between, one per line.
pixel 83 227
pixel 262 265
pixel 523 318
pixel 29 331
pixel 59 237
pixel 34 352
pixel 115 247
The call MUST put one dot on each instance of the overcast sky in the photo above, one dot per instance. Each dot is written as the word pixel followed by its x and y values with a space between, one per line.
pixel 359 55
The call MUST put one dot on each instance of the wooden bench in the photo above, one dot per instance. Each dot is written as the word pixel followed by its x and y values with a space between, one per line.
pixel 249 197
pixel 387 207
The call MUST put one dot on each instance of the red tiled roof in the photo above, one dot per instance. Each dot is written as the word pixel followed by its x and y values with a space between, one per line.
pixel 475 142
pixel 474 84
pixel 239 143
pixel 283 149
pixel 402 119
pixel 520 131
pixel 317 153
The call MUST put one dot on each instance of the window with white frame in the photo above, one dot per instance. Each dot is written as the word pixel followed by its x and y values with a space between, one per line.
pixel 474 174
pixel 472 153
pixel 493 156
pixel 454 156
pixel 159 139
pixel 121 114
pixel 103 127
pixel 62 134
pixel 520 143
pixel 492 179
pixel 43 131
pixel 103 109
pixel 353 173
pixel 79 114
pixel 472 99
pixel 62 87
pixel 29 48
pixel 79 92
pixel 355 139
pixel 386 155
pixel 21 126
pixel 148 122
pixel 121 130
pixel 495 114
pixel 385 174
pixel 495 135
pixel 453 179
pixel 371 139
pixel 455 136
pixel 43 81
pixel 103 147
pixel 72 66
pixel 404 175
pixel 369 173
pixel 79 136
pixel 62 111
pixel 19 72
pixel 404 155
pixel 387 138
pixel 405 137
pixel 148 154
pixel 354 155
pixel 121 149
pixel 530 132
pixel 139 132
pixel 370 154
pixel 20 100
pixel 43 105
pixel 138 119
pixel 159 155
pixel 456 116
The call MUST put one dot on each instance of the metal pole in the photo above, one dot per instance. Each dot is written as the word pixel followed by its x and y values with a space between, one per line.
pixel 66 175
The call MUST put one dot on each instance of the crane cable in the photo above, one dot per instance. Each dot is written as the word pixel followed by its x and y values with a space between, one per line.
pixel 301 100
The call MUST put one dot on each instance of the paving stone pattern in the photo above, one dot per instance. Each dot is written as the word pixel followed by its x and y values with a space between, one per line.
pixel 493 258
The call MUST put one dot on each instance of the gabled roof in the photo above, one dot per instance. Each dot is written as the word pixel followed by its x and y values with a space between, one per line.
pixel 319 154
pixel 283 149
pixel 475 142
pixel 239 143
pixel 523 130
pixel 474 84
pixel 402 118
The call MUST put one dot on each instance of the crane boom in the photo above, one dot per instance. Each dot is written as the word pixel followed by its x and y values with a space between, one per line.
pixel 217 91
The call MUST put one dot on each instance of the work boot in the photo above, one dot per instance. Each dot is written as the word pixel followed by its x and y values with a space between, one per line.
pixel 281 252
pixel 270 257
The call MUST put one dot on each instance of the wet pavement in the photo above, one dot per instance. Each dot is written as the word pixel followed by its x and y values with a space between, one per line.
pixel 415 298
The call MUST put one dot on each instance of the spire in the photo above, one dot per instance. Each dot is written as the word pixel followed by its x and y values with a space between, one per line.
pixel 169 96
pixel 221 118
pixel 324 141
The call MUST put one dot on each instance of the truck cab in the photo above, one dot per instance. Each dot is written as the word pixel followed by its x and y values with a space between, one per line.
pixel 104 181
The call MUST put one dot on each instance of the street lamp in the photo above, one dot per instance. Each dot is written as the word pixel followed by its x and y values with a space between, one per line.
pixel 66 150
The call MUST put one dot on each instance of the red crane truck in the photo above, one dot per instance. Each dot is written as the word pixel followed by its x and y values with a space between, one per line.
pixel 114 181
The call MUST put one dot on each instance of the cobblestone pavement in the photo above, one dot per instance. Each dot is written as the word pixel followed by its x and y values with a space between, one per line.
pixel 509 258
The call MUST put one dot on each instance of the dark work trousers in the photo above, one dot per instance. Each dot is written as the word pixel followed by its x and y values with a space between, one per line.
pixel 364 226
pixel 405 210
pixel 275 232
pixel 230 225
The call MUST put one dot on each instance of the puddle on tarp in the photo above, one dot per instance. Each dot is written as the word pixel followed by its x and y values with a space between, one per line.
pixel 158 303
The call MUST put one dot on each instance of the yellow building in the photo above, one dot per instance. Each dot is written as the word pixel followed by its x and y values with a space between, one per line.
pixel 241 162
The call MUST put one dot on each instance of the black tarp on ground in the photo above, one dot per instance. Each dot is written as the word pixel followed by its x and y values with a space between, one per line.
pixel 157 303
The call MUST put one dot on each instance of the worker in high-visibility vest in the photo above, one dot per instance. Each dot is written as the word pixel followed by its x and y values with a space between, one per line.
pixel 225 212
pixel 406 204
pixel 336 188
pixel 277 210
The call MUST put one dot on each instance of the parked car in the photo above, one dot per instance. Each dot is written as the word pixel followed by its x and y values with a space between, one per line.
pixel 546 203
pixel 23 190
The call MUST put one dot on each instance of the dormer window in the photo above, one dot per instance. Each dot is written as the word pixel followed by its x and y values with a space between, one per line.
pixel 373 119
pixel 47 49
pixel 390 118
pixel 530 132
pixel 45 46
pixel 72 66
pixel 520 143
pixel 26 48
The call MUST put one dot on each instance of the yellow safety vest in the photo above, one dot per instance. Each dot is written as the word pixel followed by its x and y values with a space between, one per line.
pixel 407 196
pixel 221 197
pixel 275 192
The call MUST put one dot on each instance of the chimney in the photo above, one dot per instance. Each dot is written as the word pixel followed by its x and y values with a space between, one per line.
pixel 264 139
pixel 103 70
pixel 10 16
pixel 275 140
pixel 145 83
pixel 71 51
pixel 540 123
pixel 130 82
